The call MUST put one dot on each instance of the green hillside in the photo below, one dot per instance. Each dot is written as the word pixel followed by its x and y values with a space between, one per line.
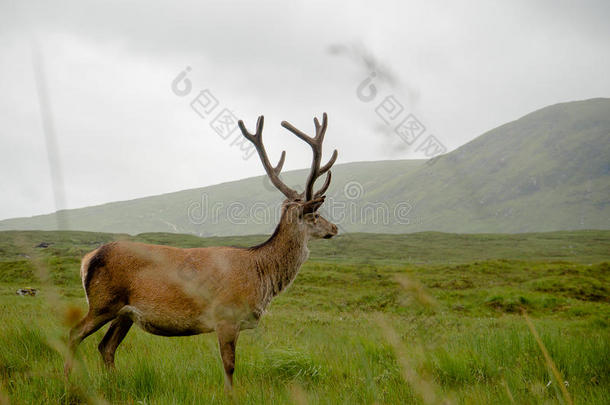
pixel 418 248
pixel 549 170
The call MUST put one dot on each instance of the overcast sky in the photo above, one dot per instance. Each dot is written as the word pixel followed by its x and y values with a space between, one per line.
pixel 461 68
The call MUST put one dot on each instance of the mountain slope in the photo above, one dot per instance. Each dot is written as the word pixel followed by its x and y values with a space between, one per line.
pixel 548 170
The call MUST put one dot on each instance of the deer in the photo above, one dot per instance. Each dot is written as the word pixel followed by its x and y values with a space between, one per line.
pixel 170 291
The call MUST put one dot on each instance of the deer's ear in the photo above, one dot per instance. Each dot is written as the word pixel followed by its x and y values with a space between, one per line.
pixel 312 205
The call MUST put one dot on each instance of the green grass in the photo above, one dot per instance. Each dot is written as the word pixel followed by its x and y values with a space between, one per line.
pixel 454 302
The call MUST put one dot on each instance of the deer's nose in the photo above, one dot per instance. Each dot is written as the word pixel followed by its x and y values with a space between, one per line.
pixel 333 231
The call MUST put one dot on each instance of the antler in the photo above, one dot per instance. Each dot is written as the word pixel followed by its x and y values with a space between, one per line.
pixel 272 172
pixel 316 145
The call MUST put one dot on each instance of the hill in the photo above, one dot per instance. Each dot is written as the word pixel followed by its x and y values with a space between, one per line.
pixel 546 171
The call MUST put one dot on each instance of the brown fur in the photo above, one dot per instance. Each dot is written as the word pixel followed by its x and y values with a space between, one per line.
pixel 170 291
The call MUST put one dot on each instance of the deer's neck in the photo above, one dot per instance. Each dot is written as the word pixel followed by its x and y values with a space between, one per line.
pixel 278 260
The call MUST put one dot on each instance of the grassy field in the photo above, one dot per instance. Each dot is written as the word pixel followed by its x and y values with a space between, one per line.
pixel 419 318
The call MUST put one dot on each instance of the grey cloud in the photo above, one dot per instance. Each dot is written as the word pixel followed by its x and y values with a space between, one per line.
pixel 462 68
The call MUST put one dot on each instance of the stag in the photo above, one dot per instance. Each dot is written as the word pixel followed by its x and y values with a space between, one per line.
pixel 170 291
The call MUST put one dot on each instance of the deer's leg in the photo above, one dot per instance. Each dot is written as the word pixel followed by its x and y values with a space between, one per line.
pixel 89 324
pixel 113 338
pixel 227 339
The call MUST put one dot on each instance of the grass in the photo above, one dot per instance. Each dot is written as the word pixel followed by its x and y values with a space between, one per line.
pixel 421 318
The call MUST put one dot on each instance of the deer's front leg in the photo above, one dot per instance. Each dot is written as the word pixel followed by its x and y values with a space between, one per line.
pixel 227 339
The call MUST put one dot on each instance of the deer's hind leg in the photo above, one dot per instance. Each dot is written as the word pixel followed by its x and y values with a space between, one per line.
pixel 113 338
pixel 88 325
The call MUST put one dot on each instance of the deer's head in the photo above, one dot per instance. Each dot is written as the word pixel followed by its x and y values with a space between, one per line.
pixel 303 216
pixel 300 210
